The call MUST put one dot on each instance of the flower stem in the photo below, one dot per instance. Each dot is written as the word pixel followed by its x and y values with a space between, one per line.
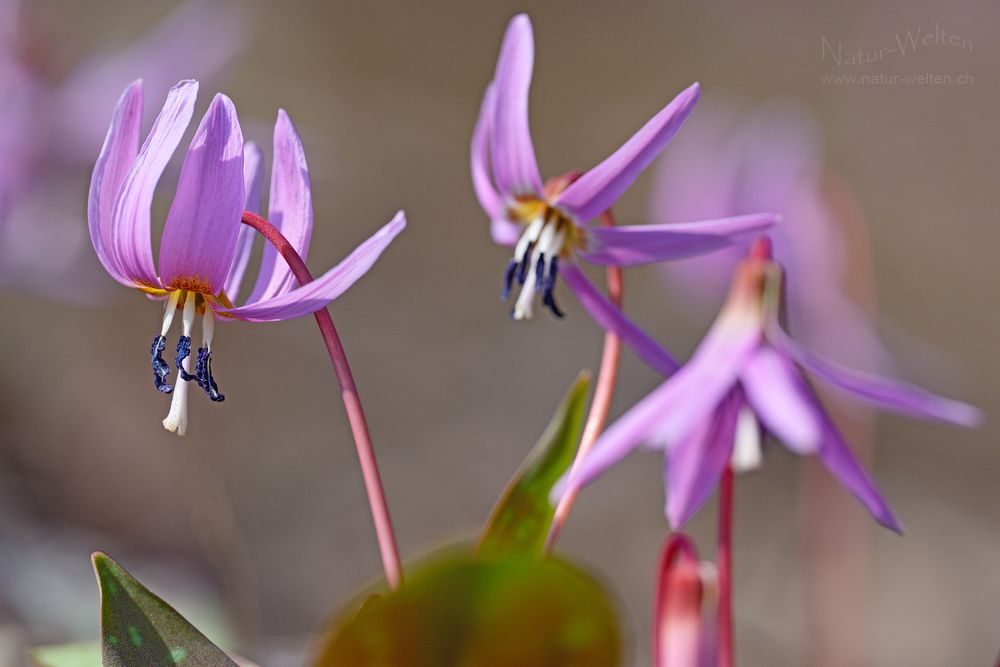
pixel 598 416
pixel 352 404
pixel 724 561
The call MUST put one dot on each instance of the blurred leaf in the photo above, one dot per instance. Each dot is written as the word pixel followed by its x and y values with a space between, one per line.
pixel 521 519
pixel 138 628
pixel 465 612
pixel 82 654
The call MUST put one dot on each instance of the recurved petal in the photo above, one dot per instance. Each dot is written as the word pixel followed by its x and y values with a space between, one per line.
pixel 641 244
pixel 319 293
pixel 199 238
pixel 253 168
pixel 131 245
pixel 781 399
pixel 886 393
pixel 694 466
pixel 482 182
pixel 676 409
pixel 611 318
pixel 596 191
pixel 838 459
pixel 120 148
pixel 290 210
pixel 514 166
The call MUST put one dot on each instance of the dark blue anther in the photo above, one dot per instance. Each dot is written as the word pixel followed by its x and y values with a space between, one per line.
pixel 522 274
pixel 160 368
pixel 508 279
pixel 540 272
pixel 203 371
pixel 548 298
pixel 183 351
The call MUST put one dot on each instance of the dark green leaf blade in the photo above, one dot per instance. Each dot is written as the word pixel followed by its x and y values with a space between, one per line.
pixel 524 611
pixel 520 521
pixel 138 628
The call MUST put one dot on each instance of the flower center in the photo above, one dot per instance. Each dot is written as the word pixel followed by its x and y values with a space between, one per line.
pixel 176 420
pixel 549 236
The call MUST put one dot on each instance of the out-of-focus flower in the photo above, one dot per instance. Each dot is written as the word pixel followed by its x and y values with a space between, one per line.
pixel 745 378
pixel 547 226
pixel 50 129
pixel 204 249
pixel 768 160
pixel 683 612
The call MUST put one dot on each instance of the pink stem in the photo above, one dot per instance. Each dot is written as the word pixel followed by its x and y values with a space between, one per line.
pixel 598 416
pixel 352 403
pixel 724 561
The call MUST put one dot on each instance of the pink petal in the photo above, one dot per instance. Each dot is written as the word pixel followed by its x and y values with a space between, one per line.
pixel 131 245
pixel 613 319
pixel 120 148
pixel 514 164
pixel 319 293
pixel 641 244
pixel 253 163
pixel 694 466
pixel 677 408
pixel 482 183
pixel 598 189
pixel 886 393
pixel 199 238
pixel 838 459
pixel 290 210
pixel 781 400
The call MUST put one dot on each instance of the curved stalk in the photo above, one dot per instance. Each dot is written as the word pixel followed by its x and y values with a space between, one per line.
pixel 724 561
pixel 598 416
pixel 352 404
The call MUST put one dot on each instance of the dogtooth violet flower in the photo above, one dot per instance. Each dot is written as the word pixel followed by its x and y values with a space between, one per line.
pixel 204 249
pixel 746 379
pixel 548 226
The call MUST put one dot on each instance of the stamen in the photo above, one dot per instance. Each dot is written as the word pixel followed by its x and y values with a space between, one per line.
pixel 160 368
pixel 183 352
pixel 203 369
pixel 168 312
pixel 508 279
pixel 548 296
pixel 176 419
pixel 522 307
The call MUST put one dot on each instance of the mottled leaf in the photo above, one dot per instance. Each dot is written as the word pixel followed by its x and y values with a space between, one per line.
pixel 138 628
pixel 466 611
pixel 521 519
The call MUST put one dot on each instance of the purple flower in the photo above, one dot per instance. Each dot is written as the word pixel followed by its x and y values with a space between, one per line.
pixel 548 226
pixel 770 159
pixel 744 380
pixel 204 248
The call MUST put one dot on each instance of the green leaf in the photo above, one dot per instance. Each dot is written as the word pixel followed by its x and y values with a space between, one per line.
pixel 138 628
pixel 466 611
pixel 82 654
pixel 521 519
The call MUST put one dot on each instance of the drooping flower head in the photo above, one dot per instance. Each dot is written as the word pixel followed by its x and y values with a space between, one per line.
pixel 745 380
pixel 548 225
pixel 204 249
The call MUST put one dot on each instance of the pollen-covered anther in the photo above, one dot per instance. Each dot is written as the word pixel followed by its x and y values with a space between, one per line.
pixel 203 367
pixel 160 367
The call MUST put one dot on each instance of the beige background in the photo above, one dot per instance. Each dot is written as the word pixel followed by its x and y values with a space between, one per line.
pixel 385 94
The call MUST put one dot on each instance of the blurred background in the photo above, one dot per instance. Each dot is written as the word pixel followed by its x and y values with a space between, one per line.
pixel 256 522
